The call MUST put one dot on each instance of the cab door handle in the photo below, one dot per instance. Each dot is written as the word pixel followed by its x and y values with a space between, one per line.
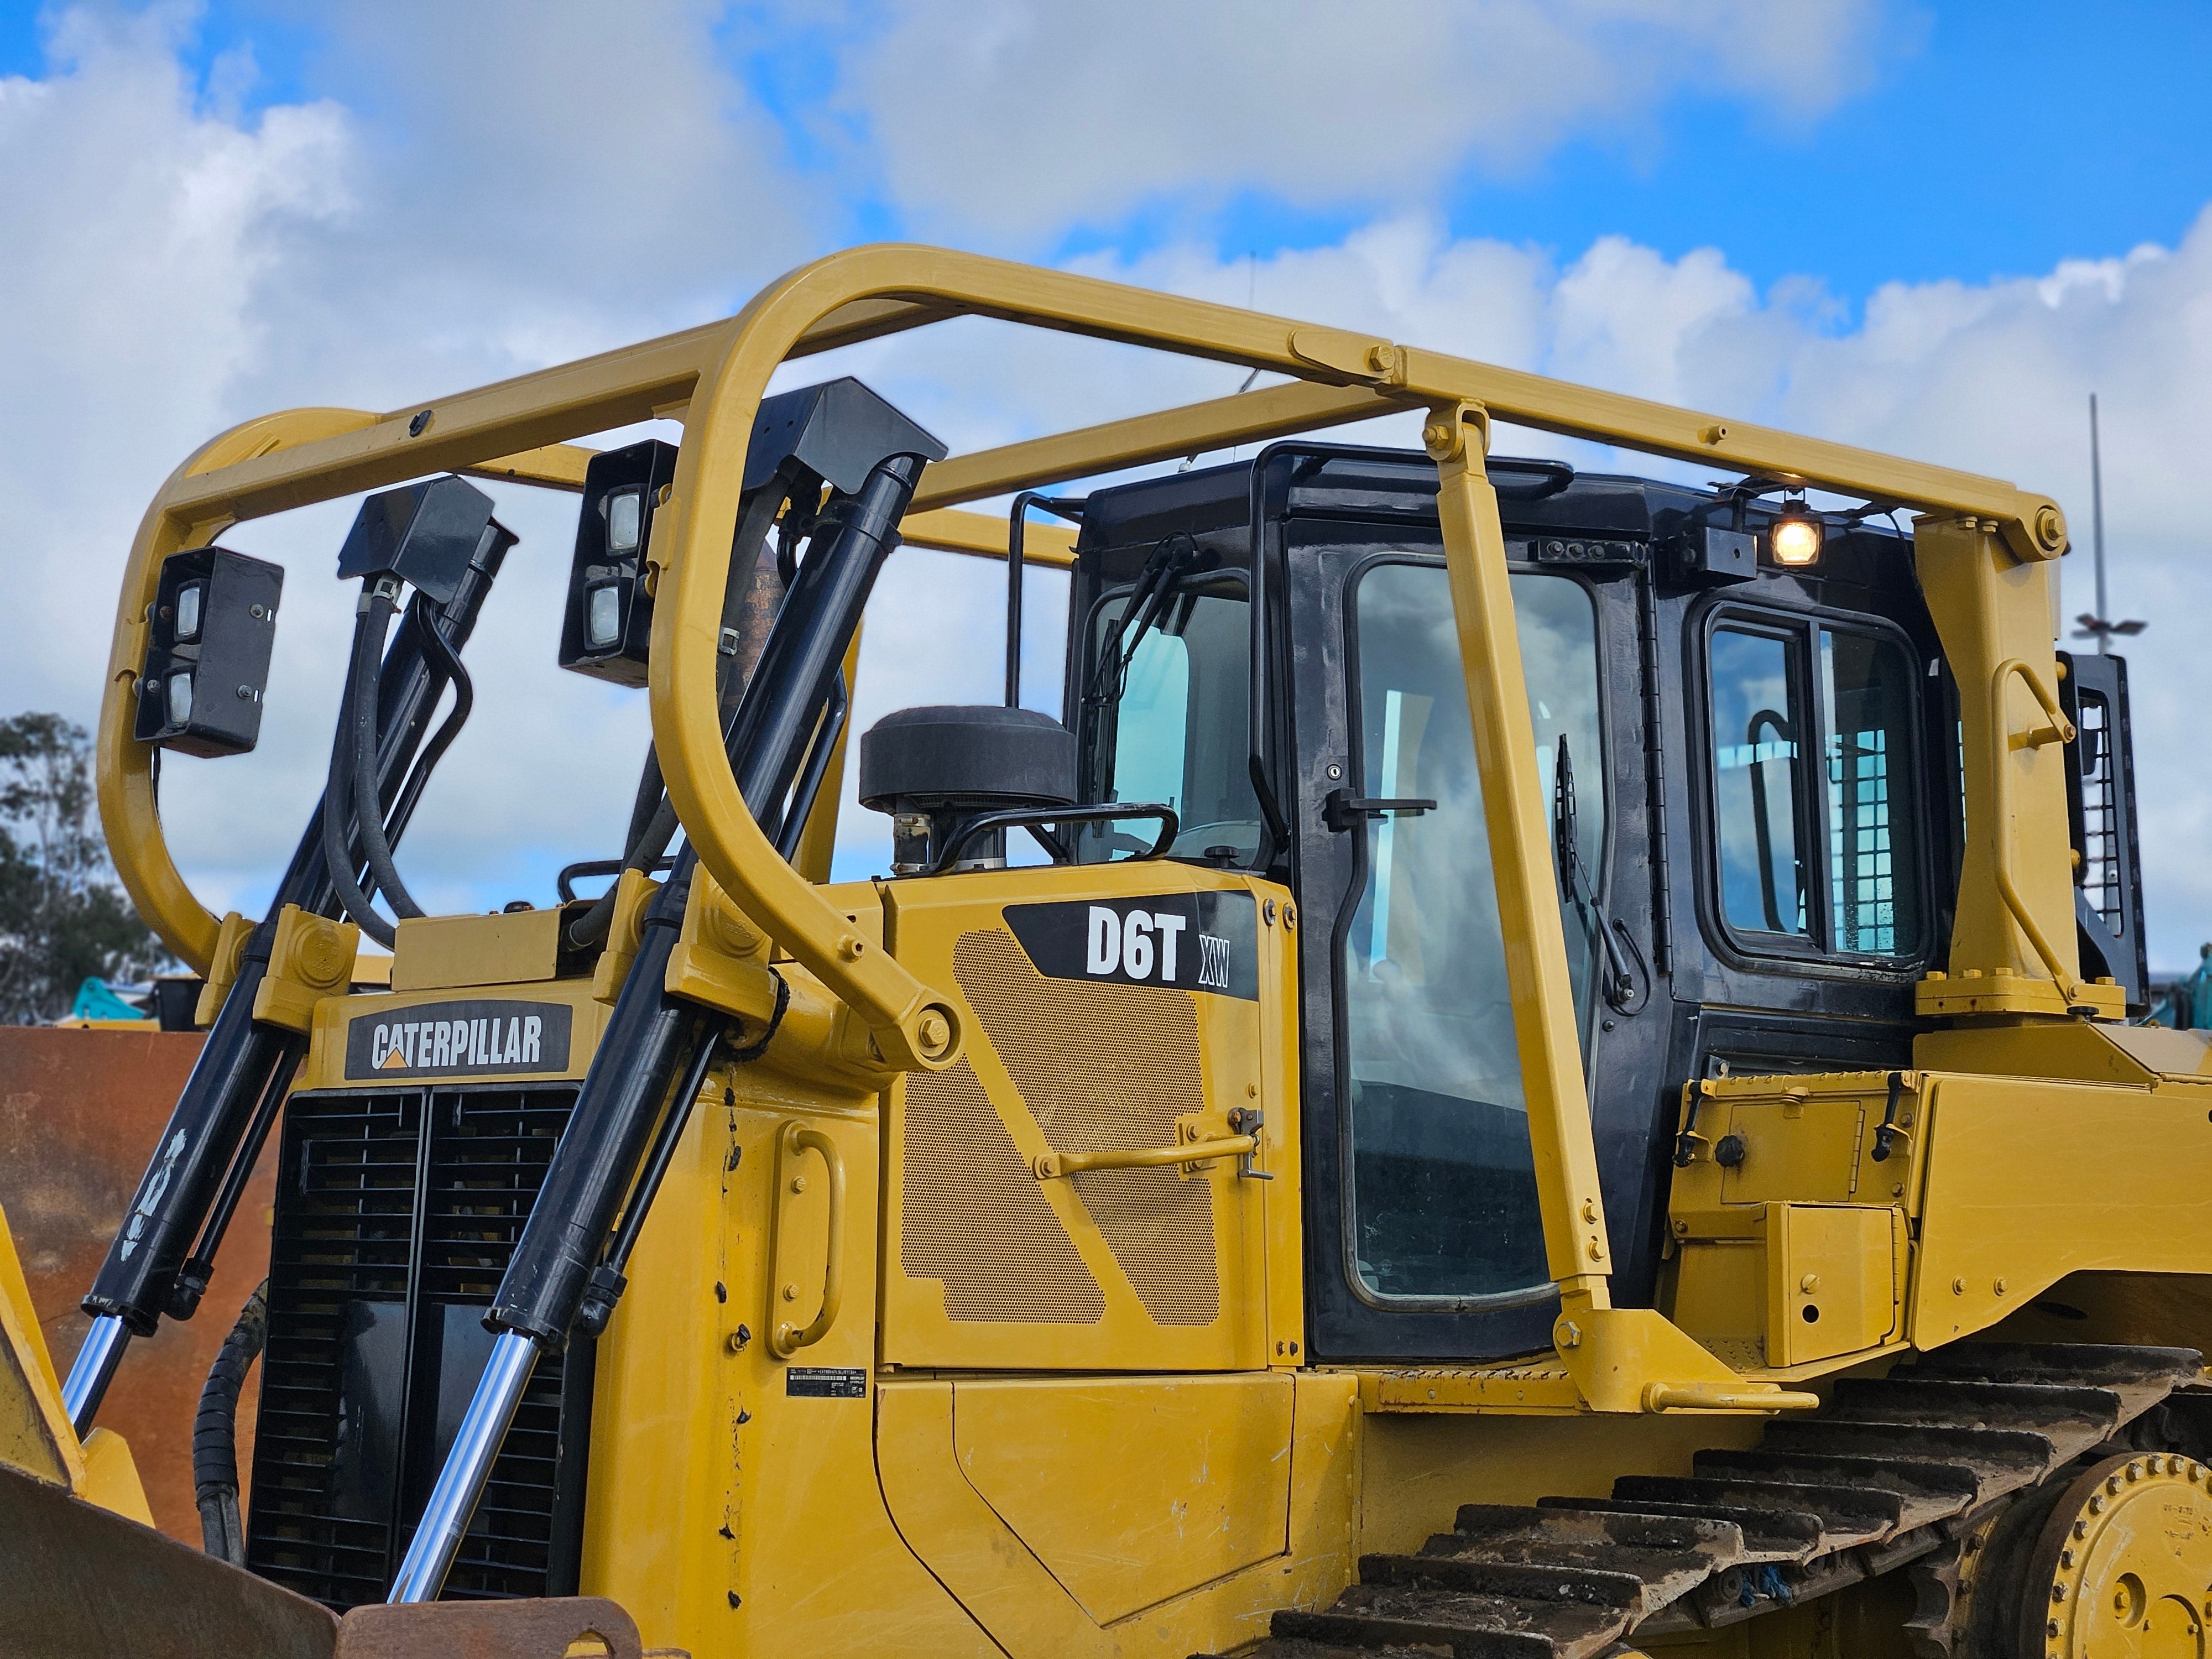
pixel 1342 810
pixel 1056 1166
pixel 793 1142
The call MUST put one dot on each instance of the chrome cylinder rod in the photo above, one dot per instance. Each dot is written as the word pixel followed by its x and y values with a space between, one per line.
pixel 467 1466
pixel 95 1365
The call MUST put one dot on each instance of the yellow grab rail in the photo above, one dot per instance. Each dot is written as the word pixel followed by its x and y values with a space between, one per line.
pixel 791 1142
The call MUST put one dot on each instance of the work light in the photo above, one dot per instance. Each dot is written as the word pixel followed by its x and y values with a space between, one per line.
pixel 608 621
pixel 209 635
pixel 1794 538
pixel 603 615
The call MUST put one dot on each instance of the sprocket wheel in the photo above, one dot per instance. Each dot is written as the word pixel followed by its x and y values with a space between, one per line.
pixel 2122 1569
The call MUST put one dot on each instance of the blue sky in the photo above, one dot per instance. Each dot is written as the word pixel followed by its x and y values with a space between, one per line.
pixel 1928 228
pixel 1991 139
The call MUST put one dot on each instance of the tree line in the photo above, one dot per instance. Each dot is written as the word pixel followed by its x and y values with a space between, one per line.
pixel 63 918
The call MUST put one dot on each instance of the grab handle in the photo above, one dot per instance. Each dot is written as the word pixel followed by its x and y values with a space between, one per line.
pixel 793 1142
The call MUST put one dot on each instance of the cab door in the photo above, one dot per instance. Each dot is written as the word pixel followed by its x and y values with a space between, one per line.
pixel 1426 1235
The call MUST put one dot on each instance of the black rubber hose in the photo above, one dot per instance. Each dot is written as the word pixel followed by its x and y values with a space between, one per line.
pixel 368 804
pixel 338 801
pixel 214 1432
pixel 447 661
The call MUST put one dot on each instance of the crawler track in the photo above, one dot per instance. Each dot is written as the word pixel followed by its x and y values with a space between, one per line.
pixel 1893 1470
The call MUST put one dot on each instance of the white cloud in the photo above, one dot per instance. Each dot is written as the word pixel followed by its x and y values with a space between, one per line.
pixel 1012 118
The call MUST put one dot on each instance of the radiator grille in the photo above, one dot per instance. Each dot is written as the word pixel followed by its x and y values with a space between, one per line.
pixel 397 1211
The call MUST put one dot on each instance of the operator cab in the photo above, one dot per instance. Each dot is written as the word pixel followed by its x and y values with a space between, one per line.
pixel 1753 771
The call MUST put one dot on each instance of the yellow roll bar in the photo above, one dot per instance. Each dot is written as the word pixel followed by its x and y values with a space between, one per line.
pixel 712 380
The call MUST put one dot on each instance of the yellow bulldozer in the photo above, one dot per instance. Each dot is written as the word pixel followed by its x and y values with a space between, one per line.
pixel 1539 1063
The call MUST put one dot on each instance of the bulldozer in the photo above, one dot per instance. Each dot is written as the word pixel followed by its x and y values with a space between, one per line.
pixel 1539 1063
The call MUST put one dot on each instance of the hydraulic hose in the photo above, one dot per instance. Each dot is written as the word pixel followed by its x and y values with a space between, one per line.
pixel 339 858
pixel 424 615
pixel 367 801
pixel 214 1432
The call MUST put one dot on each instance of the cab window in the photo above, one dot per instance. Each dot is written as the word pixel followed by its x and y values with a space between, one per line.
pixel 1444 1184
pixel 1163 722
pixel 1815 819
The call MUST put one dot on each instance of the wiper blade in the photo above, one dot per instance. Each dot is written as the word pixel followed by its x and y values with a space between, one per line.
pixel 1174 558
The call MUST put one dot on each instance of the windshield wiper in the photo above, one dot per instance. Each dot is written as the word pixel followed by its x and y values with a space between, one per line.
pixel 1619 982
pixel 1174 558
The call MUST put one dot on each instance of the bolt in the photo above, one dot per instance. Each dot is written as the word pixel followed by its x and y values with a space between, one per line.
pixel 2058 1592
pixel 933 1031
pixel 1589 1209
pixel 1570 1333
pixel 1999 1287
pixel 1957 1287
pixel 850 948
pixel 2134 1471
pixel 1897 1189
pixel 736 1340
pixel 1267 913
pixel 1809 1283
pixel 1596 1251
pixel 245 694
pixel 1335 770
pixel 2066 1558
pixel 791 1293
pixel 420 424
pixel 798 1183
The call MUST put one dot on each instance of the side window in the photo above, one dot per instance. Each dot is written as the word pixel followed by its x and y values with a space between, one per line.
pixel 1757 765
pixel 1816 819
pixel 1165 721
pixel 1874 818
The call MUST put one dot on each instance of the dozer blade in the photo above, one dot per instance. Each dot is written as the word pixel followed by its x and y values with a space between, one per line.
pixel 79 1581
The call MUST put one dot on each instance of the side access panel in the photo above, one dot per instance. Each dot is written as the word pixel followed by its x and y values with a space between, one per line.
pixel 1153 1515
pixel 1107 1008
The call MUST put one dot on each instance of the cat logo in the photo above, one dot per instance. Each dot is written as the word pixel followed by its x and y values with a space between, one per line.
pixel 476 1038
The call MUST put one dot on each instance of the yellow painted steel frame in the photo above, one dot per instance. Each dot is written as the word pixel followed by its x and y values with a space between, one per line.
pixel 712 379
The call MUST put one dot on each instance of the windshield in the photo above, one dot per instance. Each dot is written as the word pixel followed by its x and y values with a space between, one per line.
pixel 1443 1187
pixel 1177 734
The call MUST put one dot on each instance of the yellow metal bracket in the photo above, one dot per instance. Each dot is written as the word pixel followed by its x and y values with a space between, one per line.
pixel 223 968
pixel 1634 1359
pixel 633 891
pixel 311 959
pixel 720 959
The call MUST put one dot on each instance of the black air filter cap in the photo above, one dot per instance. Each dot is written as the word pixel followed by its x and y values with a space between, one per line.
pixel 982 757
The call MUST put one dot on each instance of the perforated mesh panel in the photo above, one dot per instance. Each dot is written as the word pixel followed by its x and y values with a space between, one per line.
pixel 972 1218
pixel 1108 1067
